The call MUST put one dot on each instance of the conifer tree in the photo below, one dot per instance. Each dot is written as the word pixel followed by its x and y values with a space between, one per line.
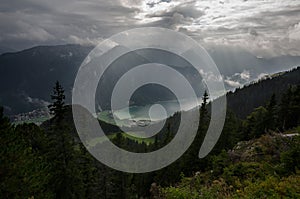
pixel 203 109
pixel 58 105
pixel 191 156
pixel 271 115
pixel 284 108
pixel 66 181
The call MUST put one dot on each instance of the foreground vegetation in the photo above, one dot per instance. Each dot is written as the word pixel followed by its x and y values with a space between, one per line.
pixel 267 167
pixel 254 158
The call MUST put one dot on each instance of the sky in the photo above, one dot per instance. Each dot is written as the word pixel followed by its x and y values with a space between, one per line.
pixel 266 28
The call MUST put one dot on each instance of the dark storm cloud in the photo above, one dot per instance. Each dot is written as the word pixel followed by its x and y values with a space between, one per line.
pixel 268 25
pixel 178 15
pixel 24 5
pixel 31 22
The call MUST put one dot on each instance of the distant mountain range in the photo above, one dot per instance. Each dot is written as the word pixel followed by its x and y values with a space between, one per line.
pixel 4 49
pixel 27 77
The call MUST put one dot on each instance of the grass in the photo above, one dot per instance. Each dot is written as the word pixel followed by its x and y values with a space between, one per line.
pixel 100 140
pixel 139 140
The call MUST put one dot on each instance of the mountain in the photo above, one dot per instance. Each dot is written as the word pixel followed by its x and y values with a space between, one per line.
pixel 235 60
pixel 243 101
pixel 150 93
pixel 27 77
pixel 4 49
pixel 240 67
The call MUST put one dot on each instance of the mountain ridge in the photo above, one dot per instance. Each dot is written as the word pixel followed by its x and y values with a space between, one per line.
pixel 27 76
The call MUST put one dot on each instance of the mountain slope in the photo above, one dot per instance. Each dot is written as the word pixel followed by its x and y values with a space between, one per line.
pixel 27 77
pixel 243 101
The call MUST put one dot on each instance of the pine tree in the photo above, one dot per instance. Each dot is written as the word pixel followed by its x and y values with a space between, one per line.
pixel 66 179
pixel 204 118
pixel 255 124
pixel 271 115
pixel 230 135
pixel 191 157
pixel 57 108
pixel 203 109
pixel 284 108
pixel 294 118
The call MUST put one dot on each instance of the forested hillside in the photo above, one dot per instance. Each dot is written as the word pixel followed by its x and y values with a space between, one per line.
pixel 255 157
pixel 37 68
pixel 244 100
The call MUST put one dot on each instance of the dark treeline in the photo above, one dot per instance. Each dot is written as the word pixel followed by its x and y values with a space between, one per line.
pixel 50 162
pixel 244 100
pixel 258 157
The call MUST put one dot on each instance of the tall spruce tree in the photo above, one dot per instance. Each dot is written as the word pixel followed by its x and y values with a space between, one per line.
pixel 271 115
pixel 66 179
pixel 203 109
pixel 191 156
pixel 284 111
pixel 57 107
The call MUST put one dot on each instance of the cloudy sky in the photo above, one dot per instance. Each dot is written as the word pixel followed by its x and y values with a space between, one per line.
pixel 264 27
